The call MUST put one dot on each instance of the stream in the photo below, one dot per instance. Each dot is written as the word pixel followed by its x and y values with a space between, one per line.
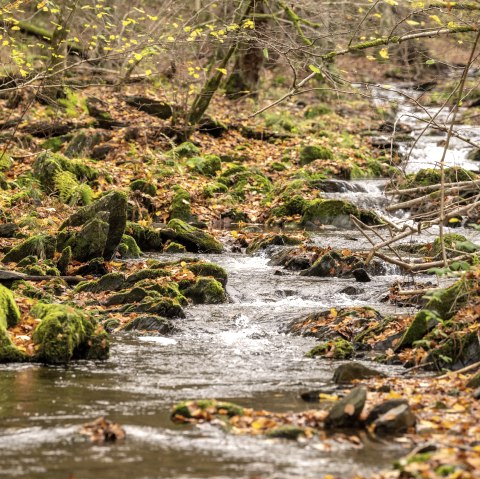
pixel 235 351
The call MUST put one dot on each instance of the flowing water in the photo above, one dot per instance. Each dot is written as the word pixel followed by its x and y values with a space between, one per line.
pixel 234 351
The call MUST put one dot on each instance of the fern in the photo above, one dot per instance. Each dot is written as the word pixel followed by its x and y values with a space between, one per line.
pixel 82 195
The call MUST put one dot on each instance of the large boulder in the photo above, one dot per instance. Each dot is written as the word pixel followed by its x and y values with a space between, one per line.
pixel 194 239
pixel 65 333
pixel 206 291
pixel 41 246
pixel 114 204
pixel 9 312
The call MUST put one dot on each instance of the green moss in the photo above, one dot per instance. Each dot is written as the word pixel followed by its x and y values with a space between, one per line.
pixel 9 353
pixel 206 291
pixel 447 301
pixel 417 329
pixel 173 247
pixel 450 240
pixel 279 122
pixel 64 260
pixel 330 212
pixel 146 274
pixel 430 176
pixel 169 290
pixel 310 153
pixel 128 248
pixel 144 187
pixel 9 312
pixel 65 333
pixel 293 206
pixel 91 241
pixel 167 307
pixel 277 166
pixel 5 162
pixel 180 207
pixel 109 282
pixel 49 165
pixel 263 242
pixel 208 165
pixel 133 295
pixel 286 432
pixel 55 143
pixel 317 110
pixel 337 349
pixel 213 189
pixel 42 246
pixel 114 204
pixel 209 269
pixel 194 239
pixel 185 150
pixel 146 238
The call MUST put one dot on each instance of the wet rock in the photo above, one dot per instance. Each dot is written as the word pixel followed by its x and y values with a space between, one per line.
pixel 336 349
pixel 333 264
pixel 65 333
pixel 346 412
pixel 42 246
pixel 397 420
pixel 206 291
pixel 263 242
pixel 351 291
pixel 167 307
pixel 291 258
pixel 150 323
pixel 9 312
pixel 194 239
pixel 109 282
pixel 190 409
pixel 101 430
pixel 349 372
pixel 133 295
pixel 361 275
pixel 8 230
pixel 291 433
pixel 321 394
pixel 383 408
pixel 114 204
pixel 336 213
pixel 9 353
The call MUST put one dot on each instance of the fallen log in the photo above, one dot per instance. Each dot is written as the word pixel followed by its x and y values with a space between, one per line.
pixel 10 276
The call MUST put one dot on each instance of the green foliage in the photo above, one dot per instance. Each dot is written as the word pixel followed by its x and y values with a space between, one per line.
pixel 71 191
pixel 312 152
pixel 74 104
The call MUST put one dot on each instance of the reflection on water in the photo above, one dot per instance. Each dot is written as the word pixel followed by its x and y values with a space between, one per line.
pixel 233 351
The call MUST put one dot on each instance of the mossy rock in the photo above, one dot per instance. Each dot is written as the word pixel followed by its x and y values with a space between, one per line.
pixel 286 432
pixel 206 291
pixel 430 176
pixel 262 242
pixel 337 349
pixel 173 247
pixel 133 295
pixel 474 381
pixel 316 111
pixel 166 307
pixel 150 323
pixel 209 269
pixel 447 301
pixel 214 189
pixel 64 260
pixel 9 312
pixel 115 205
pixel 424 321
pixel 180 207
pixel 148 239
pixel 187 408
pixel 208 165
pixel 336 213
pixel 90 241
pixel 49 165
pixel 42 246
pixel 82 144
pixel 144 187
pixel 9 353
pixel 168 290
pixel 292 206
pixel 185 150
pixel 128 248
pixel 194 239
pixel 65 333
pixel 146 274
pixel 109 282
pixel 333 264
pixel 310 153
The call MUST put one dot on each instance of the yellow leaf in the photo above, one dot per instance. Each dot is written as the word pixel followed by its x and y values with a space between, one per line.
pixel 436 19
pixel 384 53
